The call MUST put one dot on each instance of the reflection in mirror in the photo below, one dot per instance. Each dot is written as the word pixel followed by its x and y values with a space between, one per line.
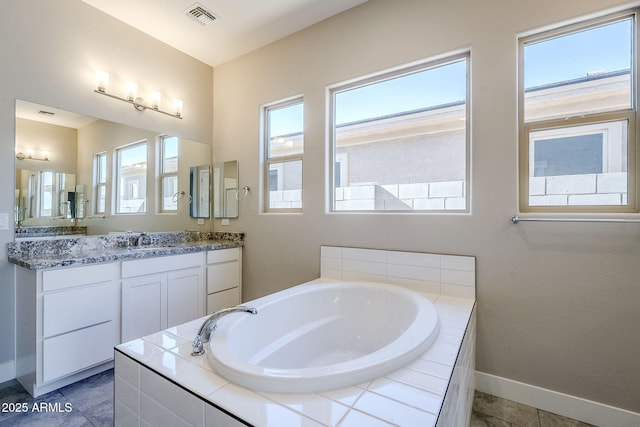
pixel 67 175
pixel 200 178
pixel 225 189
pixel 42 196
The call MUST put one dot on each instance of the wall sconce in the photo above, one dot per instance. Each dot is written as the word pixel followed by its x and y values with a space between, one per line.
pixel 138 103
pixel 29 156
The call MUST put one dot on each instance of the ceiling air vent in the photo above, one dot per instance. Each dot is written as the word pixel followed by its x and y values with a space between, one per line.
pixel 200 14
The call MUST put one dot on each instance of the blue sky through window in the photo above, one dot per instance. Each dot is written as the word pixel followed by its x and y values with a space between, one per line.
pixel 286 120
pixel 601 49
pixel 604 48
pixel 427 88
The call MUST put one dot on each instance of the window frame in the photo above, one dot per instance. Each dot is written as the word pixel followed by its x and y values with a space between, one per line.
pixel 42 200
pixel 448 58
pixel 98 184
pixel 116 208
pixel 162 174
pixel 526 129
pixel 268 160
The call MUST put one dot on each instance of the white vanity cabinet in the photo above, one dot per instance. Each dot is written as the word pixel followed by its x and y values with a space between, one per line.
pixel 69 324
pixel 69 319
pixel 224 278
pixel 161 292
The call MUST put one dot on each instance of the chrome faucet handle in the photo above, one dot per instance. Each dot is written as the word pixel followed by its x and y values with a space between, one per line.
pixel 210 325
pixel 140 239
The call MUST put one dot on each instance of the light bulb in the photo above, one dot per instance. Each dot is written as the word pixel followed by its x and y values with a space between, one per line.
pixel 132 90
pixel 155 100
pixel 103 80
pixel 177 105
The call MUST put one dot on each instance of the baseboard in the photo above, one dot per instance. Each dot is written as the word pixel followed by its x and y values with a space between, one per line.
pixel 574 407
pixel 7 371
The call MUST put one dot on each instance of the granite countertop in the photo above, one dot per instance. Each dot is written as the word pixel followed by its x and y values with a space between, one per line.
pixel 39 254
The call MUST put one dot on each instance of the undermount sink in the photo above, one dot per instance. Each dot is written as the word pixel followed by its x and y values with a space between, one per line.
pixel 323 335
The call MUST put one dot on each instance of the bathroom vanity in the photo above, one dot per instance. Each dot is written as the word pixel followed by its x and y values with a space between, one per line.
pixel 74 304
pixel 158 382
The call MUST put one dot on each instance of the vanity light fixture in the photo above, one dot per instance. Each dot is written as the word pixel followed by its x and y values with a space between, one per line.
pixel 138 103
pixel 29 156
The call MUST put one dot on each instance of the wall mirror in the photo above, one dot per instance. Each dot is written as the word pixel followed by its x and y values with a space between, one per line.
pixel 42 196
pixel 199 190
pixel 225 189
pixel 56 164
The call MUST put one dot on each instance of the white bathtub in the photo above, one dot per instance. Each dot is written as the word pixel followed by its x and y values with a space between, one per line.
pixel 323 335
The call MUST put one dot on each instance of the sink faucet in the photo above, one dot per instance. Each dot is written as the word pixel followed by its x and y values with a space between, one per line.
pixel 140 240
pixel 210 325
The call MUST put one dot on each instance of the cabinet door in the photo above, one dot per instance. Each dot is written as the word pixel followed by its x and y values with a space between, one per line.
pixel 223 299
pixel 78 350
pixel 185 296
pixel 223 276
pixel 78 308
pixel 144 306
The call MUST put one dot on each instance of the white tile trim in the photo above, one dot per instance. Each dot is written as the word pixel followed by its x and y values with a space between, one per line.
pixel 451 275
pixel 574 407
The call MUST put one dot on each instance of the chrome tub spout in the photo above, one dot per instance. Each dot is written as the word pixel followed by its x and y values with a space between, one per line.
pixel 210 325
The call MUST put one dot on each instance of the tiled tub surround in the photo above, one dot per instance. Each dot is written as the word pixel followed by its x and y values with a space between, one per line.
pixel 41 254
pixel 158 382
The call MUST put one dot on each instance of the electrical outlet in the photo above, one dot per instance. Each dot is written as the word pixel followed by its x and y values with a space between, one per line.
pixel 225 221
pixel 200 221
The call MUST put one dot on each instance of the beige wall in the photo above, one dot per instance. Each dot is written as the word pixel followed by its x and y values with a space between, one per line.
pixel 558 303
pixel 59 141
pixel 50 53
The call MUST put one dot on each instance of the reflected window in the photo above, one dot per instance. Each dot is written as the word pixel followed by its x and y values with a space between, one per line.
pixel 100 174
pixel 46 194
pixel 131 170
pixel 168 173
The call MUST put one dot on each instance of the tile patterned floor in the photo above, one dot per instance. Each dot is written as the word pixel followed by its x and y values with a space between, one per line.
pixel 491 411
pixel 89 403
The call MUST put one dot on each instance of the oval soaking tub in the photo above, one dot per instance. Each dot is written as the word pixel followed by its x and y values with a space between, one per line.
pixel 323 335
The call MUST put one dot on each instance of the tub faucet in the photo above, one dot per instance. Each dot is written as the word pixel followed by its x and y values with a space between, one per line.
pixel 210 325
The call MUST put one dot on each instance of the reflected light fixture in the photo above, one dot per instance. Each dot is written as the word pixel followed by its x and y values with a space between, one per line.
pixel 29 156
pixel 131 90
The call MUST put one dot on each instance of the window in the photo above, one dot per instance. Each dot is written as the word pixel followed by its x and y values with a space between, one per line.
pixel 400 141
pixel 100 176
pixel 168 173
pixel 577 118
pixel 46 194
pixel 283 148
pixel 131 178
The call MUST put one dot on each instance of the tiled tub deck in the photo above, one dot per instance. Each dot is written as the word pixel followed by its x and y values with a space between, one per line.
pixel 158 382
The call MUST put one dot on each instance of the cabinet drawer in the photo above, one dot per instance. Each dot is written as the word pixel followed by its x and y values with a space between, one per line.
pixel 223 255
pixel 222 276
pixel 68 353
pixel 160 264
pixel 224 299
pixel 74 309
pixel 70 277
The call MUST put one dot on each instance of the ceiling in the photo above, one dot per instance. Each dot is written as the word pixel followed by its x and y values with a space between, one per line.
pixel 241 26
pixel 51 115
